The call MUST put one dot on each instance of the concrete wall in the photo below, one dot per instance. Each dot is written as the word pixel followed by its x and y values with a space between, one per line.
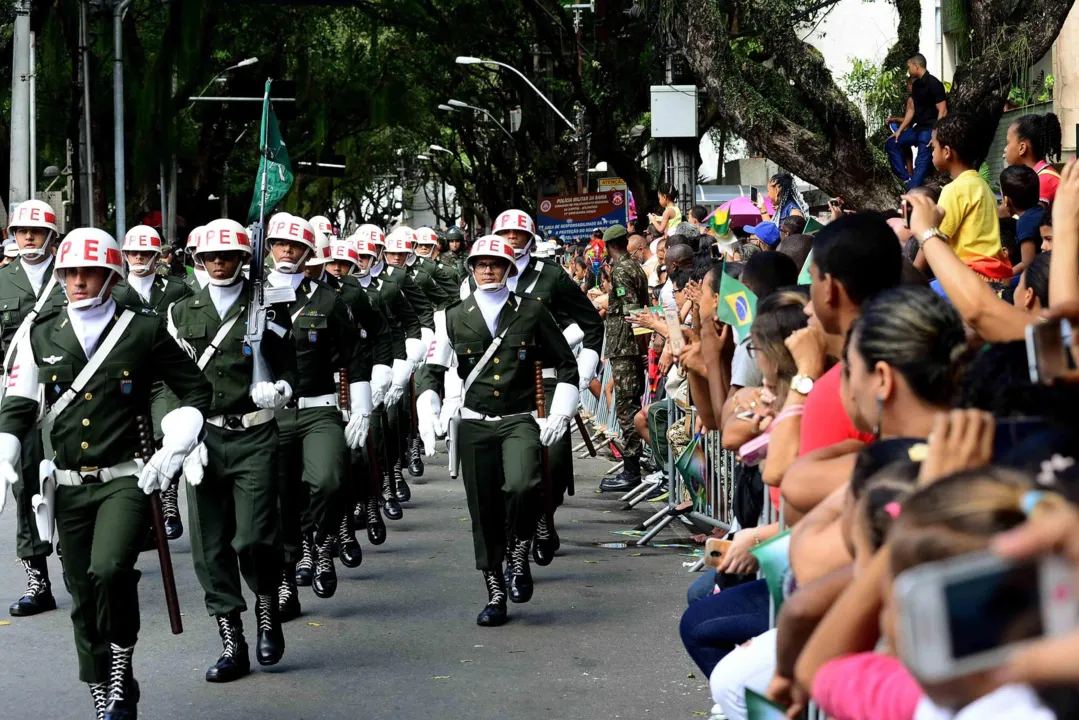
pixel 1066 71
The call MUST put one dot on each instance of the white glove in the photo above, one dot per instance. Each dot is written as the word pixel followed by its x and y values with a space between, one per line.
pixel 402 371
pixel 563 407
pixel 195 464
pixel 416 350
pixel 587 362
pixel 574 335
pixel 454 400
pixel 271 396
pixel 381 377
pixel 181 429
pixel 10 455
pixel 44 502
pixel 428 407
pixel 360 417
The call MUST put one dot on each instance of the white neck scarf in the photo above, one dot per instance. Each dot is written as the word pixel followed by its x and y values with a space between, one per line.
pixel 377 269
pixel 36 273
pixel 279 279
pixel 224 296
pixel 142 285
pixel 491 304
pixel 202 277
pixel 521 263
pixel 89 324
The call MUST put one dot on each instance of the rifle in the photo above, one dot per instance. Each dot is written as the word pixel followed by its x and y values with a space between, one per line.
pixel 545 481
pixel 157 516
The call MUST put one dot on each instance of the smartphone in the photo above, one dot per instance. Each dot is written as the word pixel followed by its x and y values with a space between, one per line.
pixel 1047 348
pixel 969 613
pixel 714 252
pixel 753 195
pixel 746 415
pixel 905 207
pixel 754 451
pixel 674 329
pixel 714 550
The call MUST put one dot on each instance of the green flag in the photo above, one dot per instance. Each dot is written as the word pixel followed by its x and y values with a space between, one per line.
pixel 812 226
pixel 737 305
pixel 806 277
pixel 274 167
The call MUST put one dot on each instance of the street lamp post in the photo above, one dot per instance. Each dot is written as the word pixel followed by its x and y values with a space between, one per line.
pixel 459 104
pixel 578 130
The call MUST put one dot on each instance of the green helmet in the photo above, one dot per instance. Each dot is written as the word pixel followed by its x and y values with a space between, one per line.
pixel 454 234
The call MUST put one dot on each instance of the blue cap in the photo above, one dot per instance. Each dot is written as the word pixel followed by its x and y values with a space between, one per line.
pixel 768 232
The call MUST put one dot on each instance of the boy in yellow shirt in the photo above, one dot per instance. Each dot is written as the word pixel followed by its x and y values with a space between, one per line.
pixel 970 224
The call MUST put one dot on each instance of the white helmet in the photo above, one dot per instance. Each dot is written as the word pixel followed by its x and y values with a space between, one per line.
pixel 284 226
pixel 89 247
pixel 402 240
pixel 323 225
pixel 516 220
pixel 322 251
pixel 193 239
pixel 496 247
pixel 224 235
pixel 345 251
pixel 34 214
pixel 426 236
pixel 141 238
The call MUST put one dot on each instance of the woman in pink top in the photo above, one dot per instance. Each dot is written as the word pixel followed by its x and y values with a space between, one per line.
pixel 1034 141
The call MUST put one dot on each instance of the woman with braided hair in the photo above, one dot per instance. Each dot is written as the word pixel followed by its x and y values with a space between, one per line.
pixel 785 198
pixel 1034 141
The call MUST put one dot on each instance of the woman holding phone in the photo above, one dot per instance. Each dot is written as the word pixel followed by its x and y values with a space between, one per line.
pixel 671 215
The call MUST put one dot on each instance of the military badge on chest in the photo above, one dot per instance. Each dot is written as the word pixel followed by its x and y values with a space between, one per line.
pixel 125 387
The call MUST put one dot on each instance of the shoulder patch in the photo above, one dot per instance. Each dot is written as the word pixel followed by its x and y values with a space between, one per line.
pixel 620 291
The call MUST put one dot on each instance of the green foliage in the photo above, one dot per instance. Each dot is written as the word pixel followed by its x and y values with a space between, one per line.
pixel 878 93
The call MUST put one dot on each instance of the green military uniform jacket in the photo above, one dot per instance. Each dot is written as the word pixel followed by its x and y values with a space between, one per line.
pixel 325 340
pixel 415 297
pixel 401 318
pixel 17 299
pixel 629 289
pixel 438 284
pixel 368 321
pixel 164 292
pixel 194 323
pixel 507 384
pixel 549 283
pixel 192 282
pixel 98 429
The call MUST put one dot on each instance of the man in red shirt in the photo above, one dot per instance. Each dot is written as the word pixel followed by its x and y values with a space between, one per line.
pixel 853 258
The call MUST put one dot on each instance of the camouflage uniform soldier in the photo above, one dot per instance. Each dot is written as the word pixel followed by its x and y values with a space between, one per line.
pixel 629 292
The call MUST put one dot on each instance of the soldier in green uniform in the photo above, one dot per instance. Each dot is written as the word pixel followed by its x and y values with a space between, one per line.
pixel 496 339
pixel 399 258
pixel 197 278
pixel 386 287
pixel 144 288
pixel 96 364
pixel 458 252
pixel 370 326
pixel 629 293
pixel 28 289
pixel 581 325
pixel 314 441
pixel 232 506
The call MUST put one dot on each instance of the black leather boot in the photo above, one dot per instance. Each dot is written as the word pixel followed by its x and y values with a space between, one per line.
pixel 271 640
pixel 390 504
pixel 415 457
pixel 545 543
pixel 629 478
pixel 38 596
pixel 376 526
pixel 123 701
pixel 100 693
pixel 234 662
pixel 325 582
pixel 359 516
pixel 402 492
pixel 170 505
pixel 305 569
pixel 288 597
pixel 521 580
pixel 494 612
pixel 348 548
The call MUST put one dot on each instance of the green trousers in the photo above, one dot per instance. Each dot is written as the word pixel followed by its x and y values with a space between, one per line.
pixel 560 453
pixel 501 465
pixel 28 543
pixel 102 529
pixel 233 520
pixel 628 375
pixel 312 460
pixel 162 401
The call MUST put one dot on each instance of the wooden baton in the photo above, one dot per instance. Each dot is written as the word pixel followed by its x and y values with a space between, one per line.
pixel 545 482
pixel 584 434
pixel 157 516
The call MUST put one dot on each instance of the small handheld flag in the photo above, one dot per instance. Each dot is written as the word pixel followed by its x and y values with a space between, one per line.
pixel 737 306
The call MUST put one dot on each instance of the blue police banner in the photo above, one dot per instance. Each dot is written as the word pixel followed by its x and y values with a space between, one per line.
pixel 576 216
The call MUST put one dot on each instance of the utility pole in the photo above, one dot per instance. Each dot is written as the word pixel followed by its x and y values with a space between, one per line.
pixel 118 115
pixel 19 168
pixel 582 142
pixel 88 165
pixel 33 118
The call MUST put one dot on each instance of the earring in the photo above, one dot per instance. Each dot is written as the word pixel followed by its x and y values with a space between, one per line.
pixel 880 412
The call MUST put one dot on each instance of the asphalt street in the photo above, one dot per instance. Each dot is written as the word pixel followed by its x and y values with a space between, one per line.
pixel 598 640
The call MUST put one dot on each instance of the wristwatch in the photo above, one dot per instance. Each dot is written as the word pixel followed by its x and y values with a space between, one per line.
pixel 802 384
pixel 931 232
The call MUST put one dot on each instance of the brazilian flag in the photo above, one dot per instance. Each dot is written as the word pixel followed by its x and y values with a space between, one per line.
pixel 737 306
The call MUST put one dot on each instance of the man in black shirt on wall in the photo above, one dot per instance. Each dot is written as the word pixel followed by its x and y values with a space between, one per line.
pixel 929 105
